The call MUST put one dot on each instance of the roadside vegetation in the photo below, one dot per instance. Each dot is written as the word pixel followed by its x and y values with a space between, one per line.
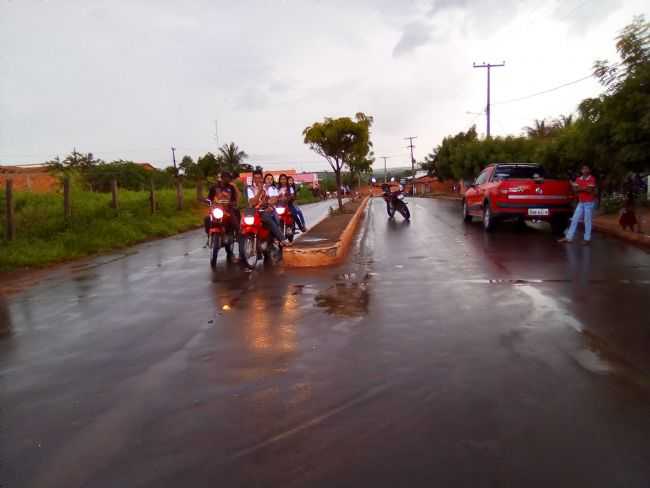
pixel 44 236
pixel 611 132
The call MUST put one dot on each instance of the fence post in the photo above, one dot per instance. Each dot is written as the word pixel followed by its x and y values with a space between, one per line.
pixel 114 203
pixel 152 199
pixel 199 190
pixel 179 195
pixel 67 210
pixel 11 224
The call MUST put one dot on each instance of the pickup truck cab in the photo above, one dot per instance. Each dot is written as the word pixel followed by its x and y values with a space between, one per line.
pixel 519 192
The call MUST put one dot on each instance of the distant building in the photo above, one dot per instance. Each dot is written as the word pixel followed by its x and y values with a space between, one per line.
pixel 29 177
pixel 147 166
pixel 431 184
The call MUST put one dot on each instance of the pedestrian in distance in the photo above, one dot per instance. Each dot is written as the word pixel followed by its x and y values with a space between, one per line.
pixel 585 187
pixel 627 217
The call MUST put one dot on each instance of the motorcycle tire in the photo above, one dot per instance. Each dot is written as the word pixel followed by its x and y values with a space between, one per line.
pixel 404 210
pixel 249 251
pixel 273 255
pixel 214 251
pixel 391 211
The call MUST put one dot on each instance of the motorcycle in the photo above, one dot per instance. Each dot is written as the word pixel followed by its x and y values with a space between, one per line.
pixel 256 240
pixel 396 202
pixel 220 233
pixel 287 222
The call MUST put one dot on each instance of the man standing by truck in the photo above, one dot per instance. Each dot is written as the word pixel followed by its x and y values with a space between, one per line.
pixel 585 187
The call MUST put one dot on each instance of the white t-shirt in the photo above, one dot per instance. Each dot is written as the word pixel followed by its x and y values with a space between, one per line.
pixel 251 191
pixel 272 191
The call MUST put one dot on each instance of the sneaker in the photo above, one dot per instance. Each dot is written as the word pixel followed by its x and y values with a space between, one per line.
pixel 564 240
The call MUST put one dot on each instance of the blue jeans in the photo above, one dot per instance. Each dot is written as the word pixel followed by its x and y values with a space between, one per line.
pixel 298 216
pixel 270 220
pixel 585 209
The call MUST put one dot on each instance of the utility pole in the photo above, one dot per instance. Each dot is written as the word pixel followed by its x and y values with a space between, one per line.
pixel 411 146
pixel 385 170
pixel 174 160
pixel 489 66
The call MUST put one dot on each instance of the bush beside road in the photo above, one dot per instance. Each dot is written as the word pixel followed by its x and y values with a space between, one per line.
pixel 43 236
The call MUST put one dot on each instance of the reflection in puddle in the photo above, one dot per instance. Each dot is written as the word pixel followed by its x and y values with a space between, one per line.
pixel 346 297
pixel 592 361
pixel 5 318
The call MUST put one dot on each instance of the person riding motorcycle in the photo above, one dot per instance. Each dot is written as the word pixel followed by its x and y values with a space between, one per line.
pixel 262 194
pixel 390 194
pixel 297 213
pixel 287 191
pixel 224 190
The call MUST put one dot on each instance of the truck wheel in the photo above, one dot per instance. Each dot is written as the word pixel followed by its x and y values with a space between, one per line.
pixel 488 219
pixel 467 218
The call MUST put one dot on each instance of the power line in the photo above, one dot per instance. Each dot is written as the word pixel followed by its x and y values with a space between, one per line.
pixel 518 99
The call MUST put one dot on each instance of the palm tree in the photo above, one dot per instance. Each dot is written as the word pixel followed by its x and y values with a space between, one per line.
pixel 564 122
pixel 540 130
pixel 231 156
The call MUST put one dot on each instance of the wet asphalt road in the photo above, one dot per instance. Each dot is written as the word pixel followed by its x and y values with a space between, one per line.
pixel 436 356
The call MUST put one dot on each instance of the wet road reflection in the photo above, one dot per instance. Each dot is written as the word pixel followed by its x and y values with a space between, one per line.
pixel 436 350
pixel 5 317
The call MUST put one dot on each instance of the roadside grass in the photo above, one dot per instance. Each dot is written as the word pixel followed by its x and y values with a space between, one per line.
pixel 43 236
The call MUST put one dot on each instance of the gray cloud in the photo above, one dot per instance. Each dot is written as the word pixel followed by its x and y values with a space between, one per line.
pixel 415 34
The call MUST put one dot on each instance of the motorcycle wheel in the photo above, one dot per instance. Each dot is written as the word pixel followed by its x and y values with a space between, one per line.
pixel 273 255
pixel 404 210
pixel 391 211
pixel 214 253
pixel 249 246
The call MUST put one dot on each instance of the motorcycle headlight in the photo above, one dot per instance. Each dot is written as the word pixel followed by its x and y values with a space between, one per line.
pixel 249 220
pixel 400 197
pixel 280 210
pixel 217 213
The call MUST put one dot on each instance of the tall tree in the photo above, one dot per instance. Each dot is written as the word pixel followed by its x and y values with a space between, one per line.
pixel 342 142
pixel 208 165
pixel 232 157
pixel 189 167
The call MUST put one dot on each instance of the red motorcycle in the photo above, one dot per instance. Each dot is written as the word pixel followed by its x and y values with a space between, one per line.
pixel 256 241
pixel 287 222
pixel 221 232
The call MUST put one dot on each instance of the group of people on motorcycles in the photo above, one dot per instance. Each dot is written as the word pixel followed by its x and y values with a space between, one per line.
pixel 264 194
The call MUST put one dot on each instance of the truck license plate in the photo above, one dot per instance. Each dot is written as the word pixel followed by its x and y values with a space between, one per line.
pixel 537 212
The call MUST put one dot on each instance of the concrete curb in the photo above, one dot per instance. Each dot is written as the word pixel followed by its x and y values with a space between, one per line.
pixel 328 255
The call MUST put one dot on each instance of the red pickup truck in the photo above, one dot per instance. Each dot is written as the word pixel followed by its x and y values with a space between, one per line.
pixel 518 192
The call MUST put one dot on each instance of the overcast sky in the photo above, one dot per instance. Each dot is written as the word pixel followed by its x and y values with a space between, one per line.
pixel 129 79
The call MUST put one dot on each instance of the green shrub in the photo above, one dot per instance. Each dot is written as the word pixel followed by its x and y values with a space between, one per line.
pixel 43 236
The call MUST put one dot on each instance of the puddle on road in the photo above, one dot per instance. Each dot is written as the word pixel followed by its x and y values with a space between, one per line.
pixel 348 297
pixel 517 281
pixel 592 361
